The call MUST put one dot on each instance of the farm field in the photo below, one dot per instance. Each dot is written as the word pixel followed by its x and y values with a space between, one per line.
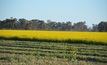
pixel 49 53
pixel 27 47
pixel 55 36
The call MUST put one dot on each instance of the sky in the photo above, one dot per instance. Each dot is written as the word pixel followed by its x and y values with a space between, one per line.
pixel 91 11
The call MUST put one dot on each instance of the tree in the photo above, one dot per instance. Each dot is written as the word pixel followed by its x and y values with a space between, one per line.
pixel 34 24
pixel 51 25
pixel 94 27
pixel 22 23
pixel 8 23
pixel 69 26
pixel 41 24
pixel 102 26
pixel 14 23
pixel 80 26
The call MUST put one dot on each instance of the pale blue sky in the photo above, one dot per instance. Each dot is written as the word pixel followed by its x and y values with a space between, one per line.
pixel 91 11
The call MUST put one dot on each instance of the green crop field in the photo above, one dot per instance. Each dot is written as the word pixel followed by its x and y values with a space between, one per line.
pixel 50 53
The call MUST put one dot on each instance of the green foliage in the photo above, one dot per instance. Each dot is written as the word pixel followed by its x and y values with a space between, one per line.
pixel 73 54
pixel 65 53
pixel 38 55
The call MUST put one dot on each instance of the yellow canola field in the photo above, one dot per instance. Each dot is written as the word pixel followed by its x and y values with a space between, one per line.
pixel 55 35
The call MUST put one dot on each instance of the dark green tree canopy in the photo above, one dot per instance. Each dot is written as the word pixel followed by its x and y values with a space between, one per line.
pixel 36 24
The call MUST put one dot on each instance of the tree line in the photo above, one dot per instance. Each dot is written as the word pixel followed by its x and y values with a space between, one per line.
pixel 36 24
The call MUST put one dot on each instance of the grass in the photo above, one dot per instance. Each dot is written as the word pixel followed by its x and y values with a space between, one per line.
pixel 51 53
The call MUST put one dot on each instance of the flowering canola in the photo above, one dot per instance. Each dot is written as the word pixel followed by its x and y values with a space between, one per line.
pixel 55 35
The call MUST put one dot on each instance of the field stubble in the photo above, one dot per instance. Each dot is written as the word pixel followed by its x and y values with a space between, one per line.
pixel 48 53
